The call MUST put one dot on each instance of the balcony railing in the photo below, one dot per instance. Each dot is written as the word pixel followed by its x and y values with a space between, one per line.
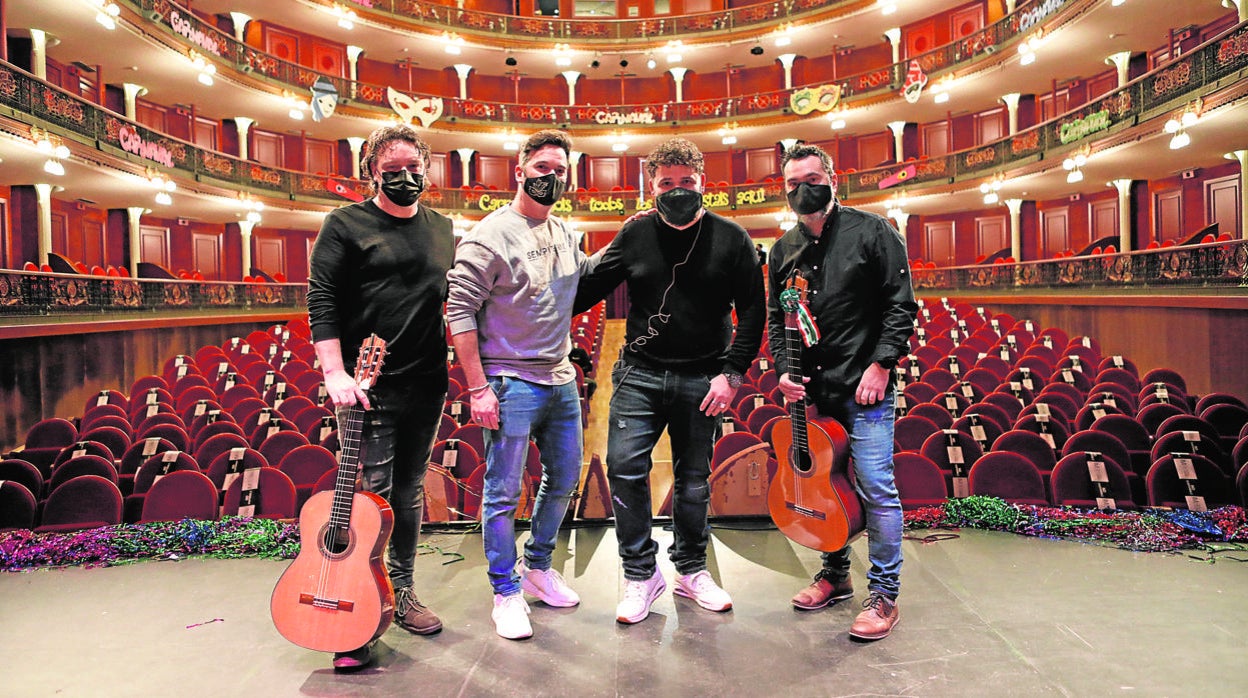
pixel 1207 266
pixel 599 31
pixel 192 33
pixel 43 294
pixel 1219 64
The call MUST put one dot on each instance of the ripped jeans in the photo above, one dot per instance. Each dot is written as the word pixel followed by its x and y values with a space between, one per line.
pixel 645 402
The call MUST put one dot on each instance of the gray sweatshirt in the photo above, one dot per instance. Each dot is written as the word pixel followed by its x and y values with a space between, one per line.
pixel 513 281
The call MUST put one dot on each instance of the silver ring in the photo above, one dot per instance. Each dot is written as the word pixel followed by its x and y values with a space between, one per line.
pixel 722 404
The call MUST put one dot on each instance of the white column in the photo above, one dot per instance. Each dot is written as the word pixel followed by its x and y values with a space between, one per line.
pixel 356 144
pixel 462 70
pixel 786 143
pixel 786 60
pixel 353 66
pixel 574 160
pixel 1011 105
pixel 678 74
pixel 1242 157
pixel 894 37
pixel 134 215
pixel 571 76
pixel 1016 228
pixel 43 200
pixel 244 230
pixel 1121 61
pixel 465 163
pixel 1239 5
pixel 240 25
pixel 244 125
pixel 898 128
pixel 1124 213
pixel 131 92
pixel 902 219
pixel 39 54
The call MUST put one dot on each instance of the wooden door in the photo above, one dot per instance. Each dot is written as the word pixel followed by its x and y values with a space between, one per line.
pixel 154 245
pixel 93 249
pixel 605 173
pixel 1168 215
pixel 992 235
pixel 270 254
pixel 939 244
pixel 1103 217
pixel 1222 205
pixel 206 254
pixel 1054 232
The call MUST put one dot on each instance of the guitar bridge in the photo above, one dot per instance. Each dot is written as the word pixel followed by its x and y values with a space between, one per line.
pixel 805 511
pixel 330 604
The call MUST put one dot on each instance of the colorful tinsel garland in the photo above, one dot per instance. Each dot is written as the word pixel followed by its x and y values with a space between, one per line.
pixel 1154 530
pixel 231 537
pixel 1145 530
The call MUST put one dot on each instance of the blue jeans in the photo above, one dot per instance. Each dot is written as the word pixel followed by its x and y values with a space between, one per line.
pixel 645 402
pixel 551 416
pixel 871 445
pixel 396 438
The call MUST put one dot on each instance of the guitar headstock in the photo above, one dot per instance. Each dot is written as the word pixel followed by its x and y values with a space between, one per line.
pixel 368 366
pixel 794 293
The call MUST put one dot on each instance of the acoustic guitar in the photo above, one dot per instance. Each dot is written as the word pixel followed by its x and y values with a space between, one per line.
pixel 811 498
pixel 336 596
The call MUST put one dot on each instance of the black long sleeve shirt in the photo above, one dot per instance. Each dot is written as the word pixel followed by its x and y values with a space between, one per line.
pixel 373 272
pixel 683 286
pixel 860 296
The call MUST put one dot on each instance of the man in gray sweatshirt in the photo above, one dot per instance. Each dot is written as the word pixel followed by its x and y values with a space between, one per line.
pixel 510 312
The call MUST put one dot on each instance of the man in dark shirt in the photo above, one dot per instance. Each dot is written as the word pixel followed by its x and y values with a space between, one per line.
pixel 380 266
pixel 686 270
pixel 863 304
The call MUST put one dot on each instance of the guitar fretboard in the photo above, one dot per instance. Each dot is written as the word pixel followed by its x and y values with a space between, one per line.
pixel 348 464
pixel 797 409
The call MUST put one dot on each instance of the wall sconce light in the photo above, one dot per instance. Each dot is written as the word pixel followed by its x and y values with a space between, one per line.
pixel 454 43
pixel 106 13
pixel 51 146
pixel 563 55
pixel 346 17
pixel 1074 165
pixel 675 51
pixel 728 134
pixel 206 69
pixel 1027 49
pixel 990 188
pixel 1179 124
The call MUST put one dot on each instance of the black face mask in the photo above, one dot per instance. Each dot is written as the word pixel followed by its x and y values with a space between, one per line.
pixel 809 198
pixel 678 206
pixel 544 190
pixel 403 188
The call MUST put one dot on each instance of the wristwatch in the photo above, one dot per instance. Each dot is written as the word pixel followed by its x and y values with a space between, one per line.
pixel 734 379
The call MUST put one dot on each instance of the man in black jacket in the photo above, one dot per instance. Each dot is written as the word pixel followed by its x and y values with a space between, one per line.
pixel 863 305
pixel 380 266
pixel 686 270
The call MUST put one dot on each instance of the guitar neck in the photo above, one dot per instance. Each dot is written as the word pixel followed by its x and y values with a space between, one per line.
pixel 797 408
pixel 348 467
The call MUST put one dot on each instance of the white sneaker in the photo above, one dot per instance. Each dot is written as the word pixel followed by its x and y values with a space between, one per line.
pixel 511 617
pixel 547 585
pixel 638 595
pixel 701 588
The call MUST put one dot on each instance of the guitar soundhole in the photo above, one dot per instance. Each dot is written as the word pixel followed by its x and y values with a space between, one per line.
pixel 336 542
pixel 800 459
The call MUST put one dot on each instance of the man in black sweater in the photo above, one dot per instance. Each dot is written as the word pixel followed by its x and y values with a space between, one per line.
pixel 379 266
pixel 686 270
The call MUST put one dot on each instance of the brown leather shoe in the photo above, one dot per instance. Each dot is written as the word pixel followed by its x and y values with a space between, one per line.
pixel 412 615
pixel 877 619
pixel 821 593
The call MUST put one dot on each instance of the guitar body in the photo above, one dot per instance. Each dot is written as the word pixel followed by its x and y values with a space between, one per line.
pixel 812 499
pixel 337 601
